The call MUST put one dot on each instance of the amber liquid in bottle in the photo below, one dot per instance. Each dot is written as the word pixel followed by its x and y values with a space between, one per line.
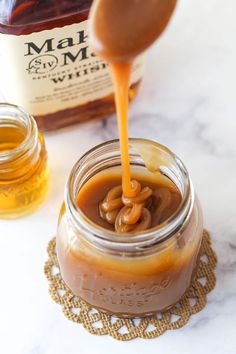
pixel 26 17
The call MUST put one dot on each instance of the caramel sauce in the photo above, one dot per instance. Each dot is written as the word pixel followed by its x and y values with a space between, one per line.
pixel 123 283
pixel 129 286
pixel 120 31
pixel 102 200
pixel 134 214
pixel 23 180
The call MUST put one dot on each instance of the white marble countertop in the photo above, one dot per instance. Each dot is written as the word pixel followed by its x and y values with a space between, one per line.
pixel 187 102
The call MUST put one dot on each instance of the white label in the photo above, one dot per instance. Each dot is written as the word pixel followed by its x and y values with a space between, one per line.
pixel 53 70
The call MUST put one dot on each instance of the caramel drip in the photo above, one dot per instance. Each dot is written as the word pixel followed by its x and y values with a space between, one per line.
pixel 121 75
pixel 119 32
pixel 133 214
pixel 164 198
pixel 127 214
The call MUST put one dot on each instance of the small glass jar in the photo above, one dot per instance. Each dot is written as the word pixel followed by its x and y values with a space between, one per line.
pixel 23 163
pixel 135 274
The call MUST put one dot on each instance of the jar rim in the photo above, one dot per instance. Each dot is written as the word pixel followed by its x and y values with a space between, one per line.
pixel 158 234
pixel 22 117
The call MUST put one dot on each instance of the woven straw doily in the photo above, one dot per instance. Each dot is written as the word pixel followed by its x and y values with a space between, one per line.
pixel 124 329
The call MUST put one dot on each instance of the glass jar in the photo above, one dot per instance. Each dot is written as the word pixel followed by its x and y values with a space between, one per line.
pixel 48 67
pixel 23 163
pixel 135 274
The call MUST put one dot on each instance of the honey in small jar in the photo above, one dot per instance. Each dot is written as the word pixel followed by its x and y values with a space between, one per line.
pixel 23 163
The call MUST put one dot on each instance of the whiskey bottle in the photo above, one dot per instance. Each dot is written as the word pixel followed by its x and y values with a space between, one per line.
pixel 47 66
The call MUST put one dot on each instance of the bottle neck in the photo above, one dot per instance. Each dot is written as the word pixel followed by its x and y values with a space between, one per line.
pixel 107 156
pixel 21 135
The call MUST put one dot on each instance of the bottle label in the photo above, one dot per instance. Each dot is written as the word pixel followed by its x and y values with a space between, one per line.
pixel 52 70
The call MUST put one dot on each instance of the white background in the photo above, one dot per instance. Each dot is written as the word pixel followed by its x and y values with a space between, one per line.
pixel 187 102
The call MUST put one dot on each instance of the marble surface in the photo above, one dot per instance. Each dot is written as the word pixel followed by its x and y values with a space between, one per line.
pixel 187 102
